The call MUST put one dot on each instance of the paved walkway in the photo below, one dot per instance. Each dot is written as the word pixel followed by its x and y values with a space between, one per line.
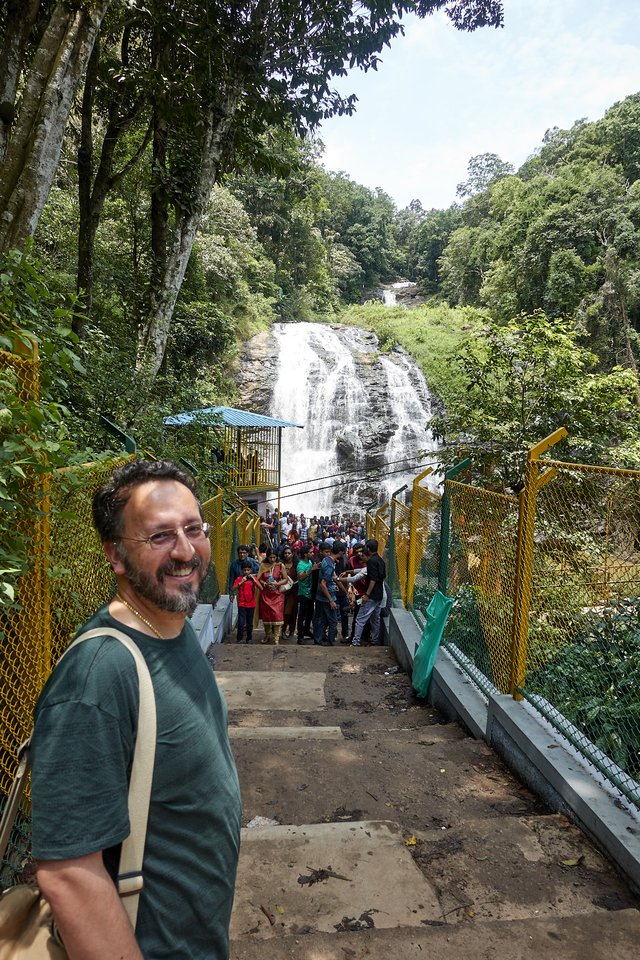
pixel 373 829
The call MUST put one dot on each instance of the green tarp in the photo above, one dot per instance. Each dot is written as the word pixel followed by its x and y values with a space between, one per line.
pixel 425 656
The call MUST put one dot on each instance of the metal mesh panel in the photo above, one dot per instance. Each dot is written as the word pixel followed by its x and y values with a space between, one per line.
pixel 482 576
pixel 380 528
pixel 226 533
pixel 369 525
pixel 25 653
pixel 81 578
pixel 423 560
pixel 68 577
pixel 399 562
pixel 583 651
pixel 215 583
pixel 248 524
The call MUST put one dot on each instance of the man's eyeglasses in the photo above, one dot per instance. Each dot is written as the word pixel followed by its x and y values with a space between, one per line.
pixel 167 539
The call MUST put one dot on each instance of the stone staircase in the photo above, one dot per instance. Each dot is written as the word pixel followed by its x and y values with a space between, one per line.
pixel 395 834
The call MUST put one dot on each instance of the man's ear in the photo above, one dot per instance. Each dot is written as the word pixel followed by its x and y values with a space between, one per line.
pixel 114 558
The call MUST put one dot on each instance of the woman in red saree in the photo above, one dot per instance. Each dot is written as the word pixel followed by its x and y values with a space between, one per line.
pixel 272 576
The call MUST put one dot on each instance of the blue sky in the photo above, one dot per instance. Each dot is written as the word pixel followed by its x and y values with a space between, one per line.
pixel 440 97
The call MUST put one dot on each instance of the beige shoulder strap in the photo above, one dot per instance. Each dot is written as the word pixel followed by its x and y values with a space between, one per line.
pixel 130 880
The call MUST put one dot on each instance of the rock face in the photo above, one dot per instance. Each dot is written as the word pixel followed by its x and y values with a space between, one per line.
pixel 255 372
pixel 362 410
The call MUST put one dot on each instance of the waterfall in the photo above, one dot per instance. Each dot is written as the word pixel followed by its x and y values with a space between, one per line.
pixel 365 418
pixel 402 287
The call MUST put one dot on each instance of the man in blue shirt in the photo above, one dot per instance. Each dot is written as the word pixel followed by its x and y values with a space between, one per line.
pixel 326 609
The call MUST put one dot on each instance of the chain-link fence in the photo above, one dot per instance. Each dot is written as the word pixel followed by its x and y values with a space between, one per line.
pixel 581 666
pixel 25 652
pixel 377 526
pixel 398 550
pixel 481 575
pixel 80 577
pixel 413 546
pixel 68 578
pixel 423 550
pixel 232 523
pixel 547 590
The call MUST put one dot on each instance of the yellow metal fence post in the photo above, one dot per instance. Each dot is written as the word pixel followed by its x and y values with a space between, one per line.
pixel 218 551
pixel 524 559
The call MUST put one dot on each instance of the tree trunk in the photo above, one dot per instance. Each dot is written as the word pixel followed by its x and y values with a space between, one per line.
pixel 155 331
pixel 33 153
pixel 159 204
pixel 86 227
pixel 20 17
pixel 93 190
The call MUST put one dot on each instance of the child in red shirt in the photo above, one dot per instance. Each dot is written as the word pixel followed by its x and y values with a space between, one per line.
pixel 246 586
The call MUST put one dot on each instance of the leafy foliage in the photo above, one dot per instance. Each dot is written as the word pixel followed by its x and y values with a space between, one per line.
pixel 594 681
pixel 33 433
pixel 560 235
pixel 432 334
pixel 522 380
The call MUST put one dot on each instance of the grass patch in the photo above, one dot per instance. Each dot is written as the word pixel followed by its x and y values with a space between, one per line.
pixel 432 335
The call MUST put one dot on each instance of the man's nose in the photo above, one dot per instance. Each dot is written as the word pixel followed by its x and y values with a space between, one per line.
pixel 183 547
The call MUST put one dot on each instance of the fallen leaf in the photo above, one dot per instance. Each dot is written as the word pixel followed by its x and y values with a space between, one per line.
pixel 572 863
pixel 279 909
pixel 411 842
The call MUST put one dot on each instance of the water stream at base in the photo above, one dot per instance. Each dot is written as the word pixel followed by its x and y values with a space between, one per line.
pixel 365 418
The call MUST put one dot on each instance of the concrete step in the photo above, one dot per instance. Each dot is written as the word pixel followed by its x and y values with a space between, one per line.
pixel 369 868
pixel 513 868
pixel 427 842
pixel 425 782
pixel 506 869
pixel 360 686
pixel 596 937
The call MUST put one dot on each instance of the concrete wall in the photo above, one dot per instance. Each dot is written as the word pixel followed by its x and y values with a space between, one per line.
pixel 537 753
pixel 213 623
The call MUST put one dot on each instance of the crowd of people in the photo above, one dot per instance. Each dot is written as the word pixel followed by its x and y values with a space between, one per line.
pixel 307 579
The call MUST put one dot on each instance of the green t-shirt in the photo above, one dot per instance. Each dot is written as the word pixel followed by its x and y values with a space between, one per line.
pixel 86 720
pixel 304 586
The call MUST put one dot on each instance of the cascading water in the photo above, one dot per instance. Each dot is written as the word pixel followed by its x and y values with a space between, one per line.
pixel 364 417
pixel 389 294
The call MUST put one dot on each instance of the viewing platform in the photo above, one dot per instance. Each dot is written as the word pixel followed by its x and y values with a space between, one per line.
pixel 391 833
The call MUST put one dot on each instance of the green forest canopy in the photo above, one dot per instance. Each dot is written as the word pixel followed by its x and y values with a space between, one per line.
pixel 151 270
pixel 119 122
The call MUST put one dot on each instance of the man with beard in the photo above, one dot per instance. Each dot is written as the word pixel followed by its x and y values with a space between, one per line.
pixel 153 535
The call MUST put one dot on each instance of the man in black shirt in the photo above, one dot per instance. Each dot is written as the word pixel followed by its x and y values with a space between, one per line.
pixel 373 598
